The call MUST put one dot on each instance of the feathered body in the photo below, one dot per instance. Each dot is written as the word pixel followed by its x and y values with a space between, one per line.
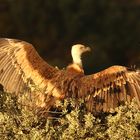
pixel 22 70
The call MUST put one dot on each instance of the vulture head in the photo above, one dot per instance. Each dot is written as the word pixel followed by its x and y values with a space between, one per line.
pixel 77 51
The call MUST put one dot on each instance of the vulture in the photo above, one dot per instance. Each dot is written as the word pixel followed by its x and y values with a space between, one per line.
pixel 24 73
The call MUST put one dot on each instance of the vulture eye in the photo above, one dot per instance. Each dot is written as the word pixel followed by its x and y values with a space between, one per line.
pixel 82 47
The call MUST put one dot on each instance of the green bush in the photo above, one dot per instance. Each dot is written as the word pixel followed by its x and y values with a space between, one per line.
pixel 74 123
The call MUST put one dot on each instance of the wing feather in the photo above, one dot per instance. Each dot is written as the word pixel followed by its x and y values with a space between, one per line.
pixel 4 78
pixel 116 84
pixel 3 62
pixel 4 70
pixel 20 62
pixel 11 83
pixel 105 105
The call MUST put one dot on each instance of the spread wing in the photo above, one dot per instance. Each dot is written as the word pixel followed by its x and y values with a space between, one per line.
pixel 20 65
pixel 110 88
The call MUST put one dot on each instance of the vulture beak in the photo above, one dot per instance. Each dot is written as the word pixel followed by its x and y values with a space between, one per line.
pixel 87 49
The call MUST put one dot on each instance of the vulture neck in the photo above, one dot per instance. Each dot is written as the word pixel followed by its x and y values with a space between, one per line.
pixel 77 60
pixel 77 64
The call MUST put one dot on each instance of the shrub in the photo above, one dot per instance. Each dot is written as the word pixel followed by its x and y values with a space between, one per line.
pixel 17 122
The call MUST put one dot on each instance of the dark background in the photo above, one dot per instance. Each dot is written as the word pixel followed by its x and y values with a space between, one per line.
pixel 110 27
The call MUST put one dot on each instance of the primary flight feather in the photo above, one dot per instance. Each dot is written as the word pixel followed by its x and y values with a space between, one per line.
pixel 23 71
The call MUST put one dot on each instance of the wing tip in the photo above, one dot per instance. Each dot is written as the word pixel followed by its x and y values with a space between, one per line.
pixel 10 40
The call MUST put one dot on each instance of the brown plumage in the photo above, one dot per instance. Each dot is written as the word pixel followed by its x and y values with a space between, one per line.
pixel 22 70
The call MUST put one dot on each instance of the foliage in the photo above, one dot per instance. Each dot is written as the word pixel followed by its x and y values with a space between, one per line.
pixel 17 122
pixel 126 123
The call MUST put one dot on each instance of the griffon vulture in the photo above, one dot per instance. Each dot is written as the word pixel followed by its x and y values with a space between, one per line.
pixel 23 71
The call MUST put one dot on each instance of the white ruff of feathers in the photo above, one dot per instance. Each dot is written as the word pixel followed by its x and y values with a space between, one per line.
pixel 76 56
